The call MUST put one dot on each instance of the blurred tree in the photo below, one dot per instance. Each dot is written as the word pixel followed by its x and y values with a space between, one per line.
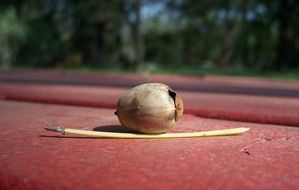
pixel 96 30
pixel 138 40
pixel 62 30
pixel 286 53
pixel 12 35
pixel 132 12
pixel 255 34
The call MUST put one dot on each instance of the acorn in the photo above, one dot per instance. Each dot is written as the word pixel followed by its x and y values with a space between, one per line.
pixel 151 108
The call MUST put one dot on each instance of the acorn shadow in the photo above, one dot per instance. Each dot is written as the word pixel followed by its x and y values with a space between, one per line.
pixel 102 128
pixel 65 137
pixel 113 128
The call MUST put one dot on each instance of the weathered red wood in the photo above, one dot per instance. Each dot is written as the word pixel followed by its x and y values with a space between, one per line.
pixel 260 109
pixel 266 157
pixel 230 85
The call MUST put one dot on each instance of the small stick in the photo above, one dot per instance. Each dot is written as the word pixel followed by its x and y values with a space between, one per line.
pixel 234 131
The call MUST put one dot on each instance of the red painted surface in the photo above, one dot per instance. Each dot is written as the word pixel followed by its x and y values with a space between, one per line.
pixel 259 109
pixel 266 157
pixel 229 85
pixel 92 76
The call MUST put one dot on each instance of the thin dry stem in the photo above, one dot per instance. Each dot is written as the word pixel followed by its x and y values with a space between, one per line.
pixel 234 131
pixel 55 128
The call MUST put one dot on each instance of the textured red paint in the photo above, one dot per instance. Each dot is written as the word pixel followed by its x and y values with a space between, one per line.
pixel 63 94
pixel 259 109
pixel 266 157
pixel 95 76
pixel 231 85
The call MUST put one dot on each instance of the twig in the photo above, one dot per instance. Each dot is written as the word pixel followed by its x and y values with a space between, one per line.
pixel 234 131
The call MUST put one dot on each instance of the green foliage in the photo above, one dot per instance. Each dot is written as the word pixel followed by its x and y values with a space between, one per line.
pixel 228 34
pixel 233 35
pixel 12 34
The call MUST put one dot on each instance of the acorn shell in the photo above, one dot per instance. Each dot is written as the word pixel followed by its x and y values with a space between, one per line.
pixel 149 108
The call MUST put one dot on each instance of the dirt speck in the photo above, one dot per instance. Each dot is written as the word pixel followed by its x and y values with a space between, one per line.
pixel 246 151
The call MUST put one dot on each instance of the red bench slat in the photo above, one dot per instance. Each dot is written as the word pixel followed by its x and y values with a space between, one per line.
pixel 259 109
pixel 32 158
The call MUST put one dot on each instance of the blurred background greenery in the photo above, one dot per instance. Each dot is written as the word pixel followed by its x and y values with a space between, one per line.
pixel 232 37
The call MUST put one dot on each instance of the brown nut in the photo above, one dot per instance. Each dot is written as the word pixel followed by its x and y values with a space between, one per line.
pixel 149 108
